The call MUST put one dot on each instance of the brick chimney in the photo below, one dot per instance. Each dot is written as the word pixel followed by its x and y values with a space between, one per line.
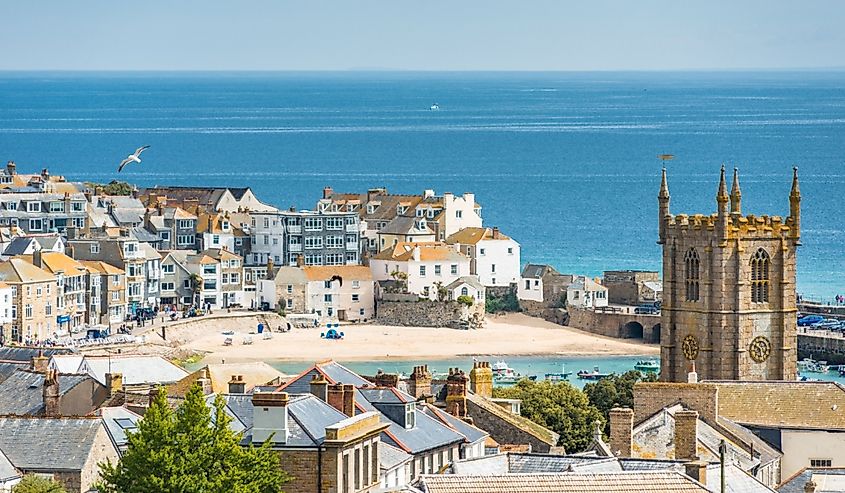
pixel 36 257
pixel 697 470
pixel 342 397
pixel 383 379
pixel 456 393
pixel 270 417
pixel 319 387
pixel 686 435
pixel 419 385
pixel 39 363
pixel 621 431
pixel 237 385
pixel 114 383
pixel 481 379
pixel 50 394
pixel 495 232
pixel 348 400
pixel 327 192
pixel 334 396
pixel 204 381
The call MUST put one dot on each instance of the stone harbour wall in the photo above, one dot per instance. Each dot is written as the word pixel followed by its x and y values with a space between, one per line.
pixel 820 347
pixel 424 313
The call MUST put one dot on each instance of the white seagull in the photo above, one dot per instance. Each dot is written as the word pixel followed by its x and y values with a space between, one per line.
pixel 135 157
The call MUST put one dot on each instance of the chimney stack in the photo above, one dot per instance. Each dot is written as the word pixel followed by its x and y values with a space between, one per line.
pixel 481 379
pixel 419 385
pixel 36 257
pixel 383 379
pixel 270 266
pixel 810 486
pixel 342 397
pixel 621 431
pixel 50 394
pixel 11 168
pixel 334 396
pixel 39 363
pixel 456 393
pixel 697 470
pixel 300 260
pixel 114 383
pixel 204 381
pixel 495 232
pixel 686 435
pixel 327 192
pixel 270 417
pixel 319 387
pixel 348 400
pixel 237 385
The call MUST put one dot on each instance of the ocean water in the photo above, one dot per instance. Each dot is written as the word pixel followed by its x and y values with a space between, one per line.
pixel 563 162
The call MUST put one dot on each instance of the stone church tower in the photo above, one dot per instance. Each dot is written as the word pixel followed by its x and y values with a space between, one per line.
pixel 729 302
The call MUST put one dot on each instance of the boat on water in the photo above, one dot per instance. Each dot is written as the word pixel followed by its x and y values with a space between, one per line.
pixel 435 107
pixel 649 365
pixel 563 375
pixel 812 366
pixel 504 374
pixel 592 375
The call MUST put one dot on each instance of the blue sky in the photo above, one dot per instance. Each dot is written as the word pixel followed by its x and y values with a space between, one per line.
pixel 421 35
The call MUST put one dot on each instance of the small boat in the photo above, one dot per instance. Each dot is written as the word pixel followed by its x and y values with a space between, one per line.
pixel 435 107
pixel 592 375
pixel 504 374
pixel 559 377
pixel 649 365
pixel 812 366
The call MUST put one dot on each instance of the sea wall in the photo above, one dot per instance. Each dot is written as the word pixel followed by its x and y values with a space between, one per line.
pixel 618 324
pixel 425 313
pixel 820 347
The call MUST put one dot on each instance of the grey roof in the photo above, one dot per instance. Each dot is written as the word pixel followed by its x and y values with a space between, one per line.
pixel 18 246
pixel 736 481
pixel 385 395
pixel 603 482
pixel 827 479
pixel 536 271
pixel 25 354
pixel 48 444
pixel 145 236
pixel 519 463
pixel 7 369
pixel 428 433
pixel 390 457
pixel 401 225
pixel 125 217
pixel 333 371
pixel 471 280
pixel 634 464
pixel 118 421
pixel 7 470
pixel 48 242
pixel 471 433
pixel 135 369
pixel 21 393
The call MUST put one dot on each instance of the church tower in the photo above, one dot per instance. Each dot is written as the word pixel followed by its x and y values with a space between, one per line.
pixel 729 302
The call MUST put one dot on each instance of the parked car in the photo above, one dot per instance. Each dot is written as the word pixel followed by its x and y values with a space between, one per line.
pixel 647 310
pixel 808 320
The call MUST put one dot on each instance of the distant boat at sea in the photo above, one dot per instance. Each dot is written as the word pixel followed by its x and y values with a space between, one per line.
pixel 563 375
pixel 435 107
pixel 504 374
pixel 592 375
pixel 647 365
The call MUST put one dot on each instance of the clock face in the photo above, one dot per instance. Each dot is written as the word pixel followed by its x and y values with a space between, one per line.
pixel 760 349
pixel 690 347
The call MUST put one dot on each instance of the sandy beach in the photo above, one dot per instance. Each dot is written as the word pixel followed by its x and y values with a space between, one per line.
pixel 508 335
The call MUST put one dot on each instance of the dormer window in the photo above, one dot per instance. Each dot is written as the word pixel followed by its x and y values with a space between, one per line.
pixel 33 207
pixel 401 209
pixel 421 225
pixel 351 207
pixel 225 225
pixel 410 415
pixel 11 206
pixel 430 213
pixel 420 212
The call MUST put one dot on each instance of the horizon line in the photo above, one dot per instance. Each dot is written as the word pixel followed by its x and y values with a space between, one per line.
pixel 406 70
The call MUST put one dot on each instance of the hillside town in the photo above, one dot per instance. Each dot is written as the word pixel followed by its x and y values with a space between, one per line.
pixel 88 276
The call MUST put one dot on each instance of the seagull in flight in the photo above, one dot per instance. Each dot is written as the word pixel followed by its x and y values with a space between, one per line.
pixel 134 157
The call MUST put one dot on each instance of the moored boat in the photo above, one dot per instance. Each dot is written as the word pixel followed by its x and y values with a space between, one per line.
pixel 592 375
pixel 649 365
pixel 563 375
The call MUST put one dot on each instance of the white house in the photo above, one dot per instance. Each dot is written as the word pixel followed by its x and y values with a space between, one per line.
pixel 426 265
pixel 466 286
pixel 583 292
pixel 5 304
pixel 494 257
pixel 458 213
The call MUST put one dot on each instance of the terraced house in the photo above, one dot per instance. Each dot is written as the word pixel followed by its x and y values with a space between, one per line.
pixel 33 316
pixel 72 281
pixel 107 293
pixel 43 212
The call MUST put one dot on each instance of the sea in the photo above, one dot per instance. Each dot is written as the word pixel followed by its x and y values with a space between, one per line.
pixel 565 163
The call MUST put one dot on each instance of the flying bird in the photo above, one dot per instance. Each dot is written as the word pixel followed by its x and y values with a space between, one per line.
pixel 134 157
pixel 337 278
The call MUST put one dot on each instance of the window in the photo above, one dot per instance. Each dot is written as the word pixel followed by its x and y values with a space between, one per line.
pixel 356 284
pixel 164 235
pixel 36 224
pixel 313 242
pixel 334 223
pixel 165 286
pixel 361 312
pixel 167 268
pixel 290 288
pixel 327 298
pixel 186 284
pixel 186 224
pixel 510 251
pixel 327 284
pixel 185 240
pixel 351 257
pixel 95 248
pixel 115 279
pixel 313 224
pixel 760 277
pixel 313 259
pixel 289 303
pixel 464 291
pixel 410 415
pixel 821 462
pixel 481 251
pixel 48 309
pixel 356 298
pixel 57 206
pixel 527 284
pixel 422 271
pixel 77 206
pixel 28 311
pixel 225 278
pixel 493 268
pixel 334 241
pixel 14 312
pixel 454 269
pixel 437 270
pixel 11 206
pixel 691 274
pixel 33 207
pixel 235 278
pixel 367 479
pixel 215 240
pixel 459 214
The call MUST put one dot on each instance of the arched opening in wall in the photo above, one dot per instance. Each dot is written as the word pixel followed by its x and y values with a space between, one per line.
pixel 632 330
pixel 655 334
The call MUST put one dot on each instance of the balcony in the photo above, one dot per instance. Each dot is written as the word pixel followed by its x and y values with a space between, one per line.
pixel 295 248
pixel 352 247
pixel 351 228
pixel 294 229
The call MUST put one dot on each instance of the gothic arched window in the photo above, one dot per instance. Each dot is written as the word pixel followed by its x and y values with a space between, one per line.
pixel 692 265
pixel 760 277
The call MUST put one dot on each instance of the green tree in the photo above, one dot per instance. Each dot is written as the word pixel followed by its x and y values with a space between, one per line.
pixel 497 304
pixel 191 450
pixel 113 188
pixel 31 483
pixel 615 391
pixel 557 406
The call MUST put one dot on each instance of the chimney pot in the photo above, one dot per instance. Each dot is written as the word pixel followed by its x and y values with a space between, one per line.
pixel 319 387
pixel 810 486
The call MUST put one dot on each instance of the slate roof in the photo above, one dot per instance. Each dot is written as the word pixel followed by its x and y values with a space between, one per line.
pixel 537 271
pixel 118 420
pixel 48 444
pixel 528 463
pixel 403 225
pixel 326 272
pixel 610 482
pixel 524 424
pixel 429 251
pixel 390 457
pixel 135 369
pixel 145 236
pixel 385 395
pixel 8 368
pixel 126 217
pixel 25 354
pixel 471 236
pixel 783 404
pixel 18 246
pixel 21 393
pixel 7 470
pixel 827 479
pixel 471 433
pixel 332 371
pixel 66 363
pixel 736 480
pixel 470 280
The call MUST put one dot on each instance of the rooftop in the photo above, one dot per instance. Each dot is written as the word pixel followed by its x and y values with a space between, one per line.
pixel 606 482
pixel 48 444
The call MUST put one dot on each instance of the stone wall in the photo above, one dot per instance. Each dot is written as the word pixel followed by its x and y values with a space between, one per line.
pixel 817 346
pixel 504 432
pixel 302 465
pixel 424 313
pixel 650 397
pixel 620 325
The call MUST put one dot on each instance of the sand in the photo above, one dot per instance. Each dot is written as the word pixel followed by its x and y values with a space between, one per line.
pixel 509 335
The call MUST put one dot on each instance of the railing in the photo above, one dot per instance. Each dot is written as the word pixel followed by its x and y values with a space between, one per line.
pixel 351 228
pixel 295 248
pixel 294 229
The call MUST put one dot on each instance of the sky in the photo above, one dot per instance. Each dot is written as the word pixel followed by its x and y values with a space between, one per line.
pixel 421 35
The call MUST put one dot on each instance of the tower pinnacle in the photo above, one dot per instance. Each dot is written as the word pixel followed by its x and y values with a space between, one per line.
pixel 722 195
pixel 664 186
pixel 736 193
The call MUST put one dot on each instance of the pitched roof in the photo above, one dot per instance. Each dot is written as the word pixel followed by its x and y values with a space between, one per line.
pixel 403 225
pixel 537 271
pixel 21 393
pixel 783 404
pixel 390 457
pixel 25 354
pixel 101 267
pixel 470 280
pixel 136 370
pixel 471 236
pixel 18 270
pixel 48 444
pixel 55 262
pixel 605 482
pixel 471 433
pixel 254 373
pixel 326 272
pixel 429 251
pixel 544 434
pixel 118 420
pixel 66 363
pixel 827 479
